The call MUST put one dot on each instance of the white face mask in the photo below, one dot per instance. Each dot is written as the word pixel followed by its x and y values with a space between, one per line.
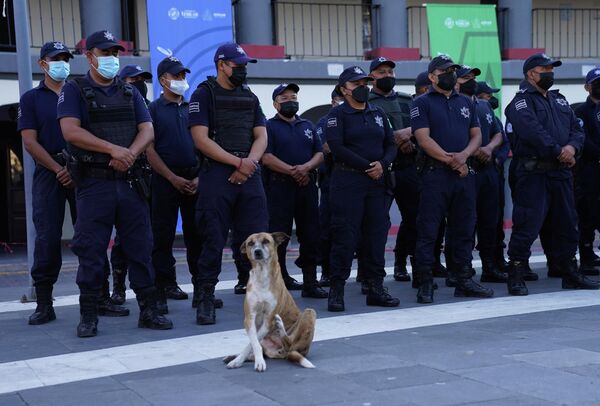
pixel 179 87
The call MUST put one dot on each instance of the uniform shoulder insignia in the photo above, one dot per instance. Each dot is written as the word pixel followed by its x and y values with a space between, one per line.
pixel 520 104
pixel 319 130
pixel 521 91
pixel 332 122
pixel 598 116
pixel 414 112
pixel 580 121
pixel 194 107
pixel 509 128
pixel 561 101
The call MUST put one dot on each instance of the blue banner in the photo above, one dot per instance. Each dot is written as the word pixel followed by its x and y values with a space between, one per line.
pixel 190 30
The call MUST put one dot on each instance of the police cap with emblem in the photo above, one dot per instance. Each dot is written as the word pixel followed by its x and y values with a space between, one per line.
pixel 376 63
pixel 442 62
pixel 285 86
pixel 351 74
pixel 232 52
pixel 171 65
pixel 53 48
pixel 102 40
pixel 592 75
pixel 539 60
pixel 131 71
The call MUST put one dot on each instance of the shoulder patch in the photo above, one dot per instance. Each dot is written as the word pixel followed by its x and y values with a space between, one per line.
pixel 561 101
pixel 521 104
pixel 414 112
pixel 19 112
pixel 509 128
pixel 580 122
pixel 598 116
pixel 319 130
pixel 332 122
pixel 61 97
pixel 194 107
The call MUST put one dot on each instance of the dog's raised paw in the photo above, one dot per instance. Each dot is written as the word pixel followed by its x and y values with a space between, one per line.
pixel 279 326
pixel 260 365
pixel 235 364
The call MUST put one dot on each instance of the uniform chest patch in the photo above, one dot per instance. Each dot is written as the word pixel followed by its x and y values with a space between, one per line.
pixel 308 133
pixel 332 122
pixel 598 116
pixel 319 131
pixel 379 121
pixel 489 118
pixel 561 102
pixel 521 104
pixel 465 112
pixel 580 121
pixel 509 128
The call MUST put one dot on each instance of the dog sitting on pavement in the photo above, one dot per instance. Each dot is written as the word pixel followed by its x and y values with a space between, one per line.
pixel 273 322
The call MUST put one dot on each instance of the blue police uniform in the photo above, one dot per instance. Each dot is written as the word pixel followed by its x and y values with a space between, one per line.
pixel 543 186
pixel 324 178
pixel 174 145
pixel 359 204
pixel 587 181
pixel 294 143
pixel 500 157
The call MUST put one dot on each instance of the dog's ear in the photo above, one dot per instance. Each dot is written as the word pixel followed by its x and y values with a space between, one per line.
pixel 279 237
pixel 243 249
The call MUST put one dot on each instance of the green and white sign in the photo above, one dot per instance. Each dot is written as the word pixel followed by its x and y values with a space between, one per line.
pixel 469 35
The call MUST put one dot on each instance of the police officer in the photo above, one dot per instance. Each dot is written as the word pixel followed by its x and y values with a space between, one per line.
pixel 324 206
pixel 361 141
pixel 52 184
pixel 175 180
pixel 293 154
pixel 137 76
pixel 487 184
pixel 107 126
pixel 546 139
pixel 228 127
pixel 446 127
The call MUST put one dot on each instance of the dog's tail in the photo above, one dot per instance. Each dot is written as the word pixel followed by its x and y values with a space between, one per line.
pixel 295 356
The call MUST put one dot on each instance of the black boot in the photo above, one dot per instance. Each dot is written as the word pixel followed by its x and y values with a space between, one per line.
pixel 451 279
pixel 161 300
pixel 529 275
pixel 467 287
pixel 490 272
pixel 499 259
pixel 44 312
pixel 88 308
pixel 589 261
pixel 516 283
pixel 425 280
pixel 174 292
pixel 205 314
pixel 365 285
pixel 573 278
pixel 310 287
pixel 106 307
pixel 118 293
pixel 415 276
pixel 379 296
pixel 439 271
pixel 554 270
pixel 291 283
pixel 149 315
pixel 196 297
pixel 325 280
pixel 400 271
pixel 335 301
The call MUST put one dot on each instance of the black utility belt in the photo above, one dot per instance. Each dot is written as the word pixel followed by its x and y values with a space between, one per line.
pixel 343 167
pixel 189 172
pixel 534 164
pixel 100 172
pixel 239 154
pixel 478 165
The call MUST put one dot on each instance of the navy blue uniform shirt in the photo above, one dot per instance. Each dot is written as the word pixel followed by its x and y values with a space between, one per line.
pixel 540 125
pixel 200 105
pixel 449 119
pixel 71 103
pixel 588 116
pixel 37 111
pixel 358 137
pixel 501 153
pixel 172 139
pixel 295 143
pixel 489 126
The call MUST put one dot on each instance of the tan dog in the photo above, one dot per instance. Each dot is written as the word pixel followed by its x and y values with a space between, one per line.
pixel 272 320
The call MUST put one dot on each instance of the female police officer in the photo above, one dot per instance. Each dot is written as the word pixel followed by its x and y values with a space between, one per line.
pixel 361 142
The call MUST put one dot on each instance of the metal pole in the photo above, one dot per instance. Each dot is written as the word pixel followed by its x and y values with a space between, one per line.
pixel 25 84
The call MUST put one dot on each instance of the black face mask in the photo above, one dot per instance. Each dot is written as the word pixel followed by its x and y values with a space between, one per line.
pixel 546 80
pixel 288 109
pixel 141 86
pixel 386 84
pixel 596 90
pixel 361 94
pixel 494 102
pixel 238 75
pixel 469 87
pixel 447 81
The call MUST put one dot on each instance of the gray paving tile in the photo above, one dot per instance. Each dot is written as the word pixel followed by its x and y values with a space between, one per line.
pixel 564 358
pixel 543 383
pixel 391 378
pixel 555 334
pixel 520 400
pixel 81 388
pixel 11 399
pixel 366 361
pixel 592 370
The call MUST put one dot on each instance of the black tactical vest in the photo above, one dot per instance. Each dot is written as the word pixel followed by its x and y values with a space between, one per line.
pixel 397 109
pixel 232 116
pixel 109 118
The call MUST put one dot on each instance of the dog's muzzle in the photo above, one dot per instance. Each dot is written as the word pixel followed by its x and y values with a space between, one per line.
pixel 258 254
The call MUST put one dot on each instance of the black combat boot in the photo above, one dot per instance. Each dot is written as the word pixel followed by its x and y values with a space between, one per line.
pixel 516 282
pixel 106 307
pixel 335 301
pixel 310 286
pixel 379 296
pixel 325 280
pixel 452 269
pixel 573 278
pixel 501 262
pixel 118 294
pixel 149 315
pixel 553 267
pixel 205 314
pixel 589 261
pixel 528 274
pixel 425 281
pixel 490 272
pixel 467 287
pixel 44 311
pixel 161 300
pixel 196 296
pixel 400 271
pixel 88 308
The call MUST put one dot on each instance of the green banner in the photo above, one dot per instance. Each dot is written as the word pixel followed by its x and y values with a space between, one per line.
pixel 469 35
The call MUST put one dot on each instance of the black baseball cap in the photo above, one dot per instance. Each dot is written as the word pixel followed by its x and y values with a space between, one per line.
pixel 233 52
pixel 376 63
pixel 283 87
pixel 53 48
pixel 422 79
pixel 352 74
pixel 539 60
pixel 483 87
pixel 130 71
pixel 102 40
pixel 592 75
pixel 442 62
pixel 171 65
pixel 466 69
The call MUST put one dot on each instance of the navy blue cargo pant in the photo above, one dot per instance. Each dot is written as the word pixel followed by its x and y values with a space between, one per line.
pixel 487 189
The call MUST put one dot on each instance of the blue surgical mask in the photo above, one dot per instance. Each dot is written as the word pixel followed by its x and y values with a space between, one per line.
pixel 108 66
pixel 58 70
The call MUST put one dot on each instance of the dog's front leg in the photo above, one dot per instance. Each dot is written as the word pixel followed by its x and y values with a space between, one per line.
pixel 241 358
pixel 255 337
